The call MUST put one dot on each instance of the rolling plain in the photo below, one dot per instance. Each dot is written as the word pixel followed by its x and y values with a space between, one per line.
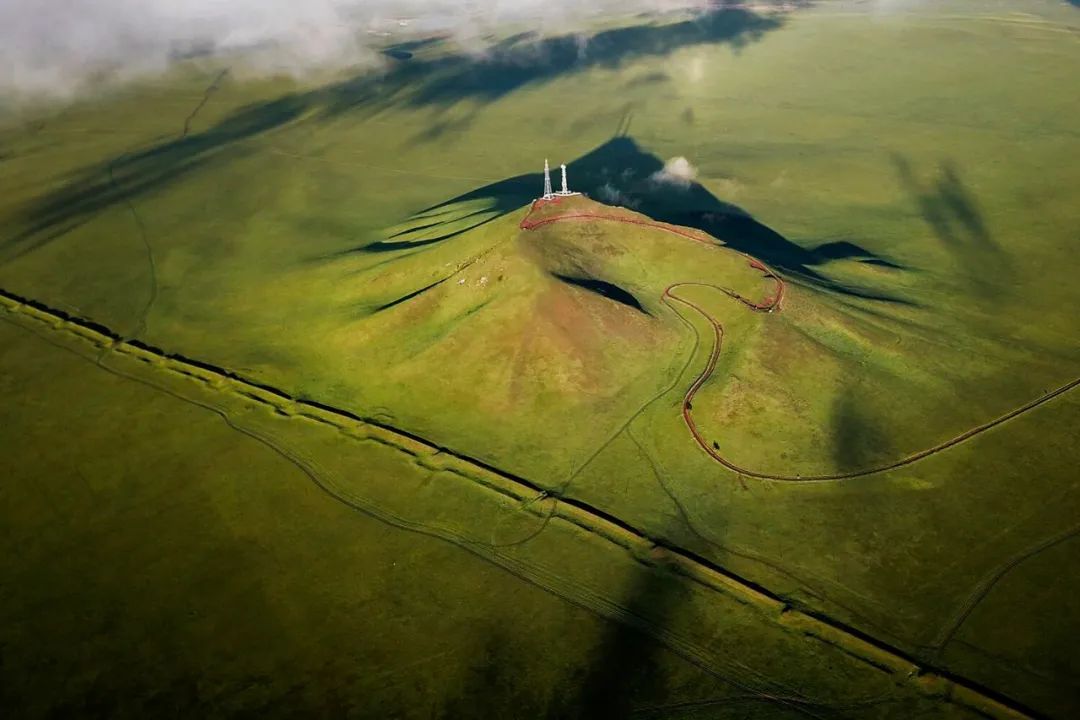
pixel 309 409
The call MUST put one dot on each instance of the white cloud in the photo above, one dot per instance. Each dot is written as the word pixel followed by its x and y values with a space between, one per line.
pixel 613 196
pixel 677 171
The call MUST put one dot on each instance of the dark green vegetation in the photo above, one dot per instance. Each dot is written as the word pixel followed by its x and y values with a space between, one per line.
pixel 356 243
pixel 295 565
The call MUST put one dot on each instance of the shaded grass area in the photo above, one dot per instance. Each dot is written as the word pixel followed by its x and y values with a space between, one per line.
pixel 259 593
pixel 525 59
pixel 622 173
pixel 953 214
pixel 605 289
pixel 995 635
pixel 256 594
pixel 130 176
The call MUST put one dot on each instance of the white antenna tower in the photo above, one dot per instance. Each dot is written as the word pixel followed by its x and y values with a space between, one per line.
pixel 547 181
pixel 565 191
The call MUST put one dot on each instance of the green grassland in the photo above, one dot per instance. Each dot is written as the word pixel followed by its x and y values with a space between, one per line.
pixel 356 242
pixel 292 566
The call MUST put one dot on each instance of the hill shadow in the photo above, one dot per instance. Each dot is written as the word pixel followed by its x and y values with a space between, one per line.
pixel 620 172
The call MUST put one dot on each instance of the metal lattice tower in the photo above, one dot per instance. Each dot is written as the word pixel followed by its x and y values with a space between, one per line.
pixel 547 180
pixel 565 190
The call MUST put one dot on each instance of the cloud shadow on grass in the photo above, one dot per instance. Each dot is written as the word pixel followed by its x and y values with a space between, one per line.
pixel 859 441
pixel 627 673
pixel 523 60
pixel 136 174
pixel 440 78
pixel 620 671
pixel 954 216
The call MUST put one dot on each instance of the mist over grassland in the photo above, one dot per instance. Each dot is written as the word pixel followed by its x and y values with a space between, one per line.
pixel 59 49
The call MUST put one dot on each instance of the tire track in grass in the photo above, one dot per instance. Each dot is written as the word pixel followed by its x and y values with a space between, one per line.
pixel 983 588
pixel 727 670
pixel 152 295
pixel 210 90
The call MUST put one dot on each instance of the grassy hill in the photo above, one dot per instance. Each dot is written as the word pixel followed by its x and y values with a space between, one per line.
pixel 357 242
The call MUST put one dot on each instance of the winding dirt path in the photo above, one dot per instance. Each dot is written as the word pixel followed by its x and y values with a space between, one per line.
pixel 769 303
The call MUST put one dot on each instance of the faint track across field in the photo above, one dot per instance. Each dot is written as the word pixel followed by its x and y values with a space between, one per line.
pixel 729 670
pixel 683 563
pixel 152 269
